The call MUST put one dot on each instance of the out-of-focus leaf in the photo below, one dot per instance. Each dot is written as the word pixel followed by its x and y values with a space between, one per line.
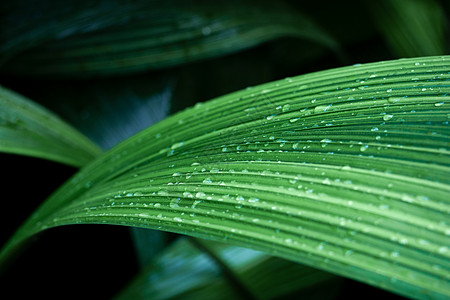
pixel 411 27
pixel 185 272
pixel 29 129
pixel 123 37
pixel 344 170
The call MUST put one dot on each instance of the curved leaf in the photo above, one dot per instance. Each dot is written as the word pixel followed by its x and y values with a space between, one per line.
pixel 191 274
pixel 344 170
pixel 411 28
pixel 124 37
pixel 29 129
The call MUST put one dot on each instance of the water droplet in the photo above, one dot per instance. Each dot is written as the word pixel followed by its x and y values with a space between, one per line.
pixel 322 108
pixel 326 181
pixel 286 108
pixel 207 180
pixel 295 146
pixel 195 203
pixel 157 205
pixel 384 206
pixel 394 99
pixel 240 198
pixel 407 198
pixel 188 195
pixel 178 219
pixel 176 145
pixel 363 148
pixel 387 117
pixel 200 195
pixel 293 120
pixel 206 30
pixel 253 199
pixel 439 104
pixel 443 250
pixel 325 142
pixel 163 193
pixel 174 202
pixel 395 254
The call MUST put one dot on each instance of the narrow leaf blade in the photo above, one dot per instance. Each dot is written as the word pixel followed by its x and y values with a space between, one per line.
pixel 344 170
pixel 144 35
pixel 27 128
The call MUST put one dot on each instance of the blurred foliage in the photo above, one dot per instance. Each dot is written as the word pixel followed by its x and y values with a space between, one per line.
pixel 113 67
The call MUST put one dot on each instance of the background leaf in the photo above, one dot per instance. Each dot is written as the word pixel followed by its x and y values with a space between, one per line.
pixel 29 129
pixel 184 271
pixel 141 35
pixel 368 202
pixel 412 28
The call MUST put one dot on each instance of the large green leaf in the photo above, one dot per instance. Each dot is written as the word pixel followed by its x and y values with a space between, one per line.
pixel 123 37
pixel 192 274
pixel 345 170
pixel 29 129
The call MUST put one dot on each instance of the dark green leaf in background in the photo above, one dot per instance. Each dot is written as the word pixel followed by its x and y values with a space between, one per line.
pixel 411 27
pixel 143 35
pixel 184 271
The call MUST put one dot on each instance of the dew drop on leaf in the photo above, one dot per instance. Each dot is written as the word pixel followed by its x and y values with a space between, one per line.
pixel 200 195
pixel 207 180
pixel 176 145
pixel 286 108
pixel 174 202
pixel 195 203
pixel 387 117
pixel 325 142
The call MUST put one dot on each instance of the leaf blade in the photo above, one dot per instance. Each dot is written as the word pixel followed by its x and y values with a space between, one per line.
pixel 411 28
pixel 154 35
pixel 27 128
pixel 271 173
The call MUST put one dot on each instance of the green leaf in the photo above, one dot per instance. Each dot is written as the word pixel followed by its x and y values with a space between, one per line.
pixel 118 38
pixel 344 170
pixel 27 128
pixel 411 28
pixel 191 274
